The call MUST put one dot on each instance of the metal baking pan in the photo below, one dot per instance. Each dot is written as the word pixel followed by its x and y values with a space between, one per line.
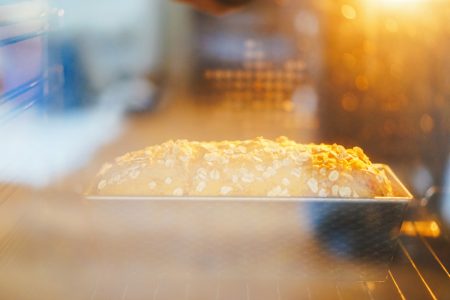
pixel 339 238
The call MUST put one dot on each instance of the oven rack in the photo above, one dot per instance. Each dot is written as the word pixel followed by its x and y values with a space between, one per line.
pixel 34 239
pixel 24 31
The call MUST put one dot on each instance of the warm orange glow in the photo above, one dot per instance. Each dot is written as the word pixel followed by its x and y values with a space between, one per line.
pixel 397 6
pixel 361 82
pixel 391 25
pixel 397 3
pixel 422 228
pixel 259 83
pixel 348 11
pixel 426 123
pixel 349 102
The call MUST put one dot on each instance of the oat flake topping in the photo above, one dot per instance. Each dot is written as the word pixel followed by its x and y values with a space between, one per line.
pixel 258 167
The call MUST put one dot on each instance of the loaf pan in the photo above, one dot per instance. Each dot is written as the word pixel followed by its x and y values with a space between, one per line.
pixel 344 239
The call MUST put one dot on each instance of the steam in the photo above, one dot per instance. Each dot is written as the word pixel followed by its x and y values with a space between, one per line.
pixel 109 50
pixel 36 151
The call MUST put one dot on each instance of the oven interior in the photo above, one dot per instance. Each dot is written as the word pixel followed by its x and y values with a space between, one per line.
pixel 81 83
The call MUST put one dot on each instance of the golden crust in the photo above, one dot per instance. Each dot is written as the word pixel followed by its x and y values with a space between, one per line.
pixel 258 167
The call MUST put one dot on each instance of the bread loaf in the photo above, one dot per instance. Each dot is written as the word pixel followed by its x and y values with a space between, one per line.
pixel 258 167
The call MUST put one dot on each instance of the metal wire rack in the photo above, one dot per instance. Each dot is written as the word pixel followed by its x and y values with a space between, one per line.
pixel 28 267
pixel 44 241
pixel 23 51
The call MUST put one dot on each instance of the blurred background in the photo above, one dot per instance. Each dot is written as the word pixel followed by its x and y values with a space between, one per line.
pixel 84 81
pixel 367 73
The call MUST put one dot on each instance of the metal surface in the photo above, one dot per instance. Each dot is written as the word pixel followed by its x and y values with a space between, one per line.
pixel 48 250
pixel 400 194
pixel 298 237
pixel 23 46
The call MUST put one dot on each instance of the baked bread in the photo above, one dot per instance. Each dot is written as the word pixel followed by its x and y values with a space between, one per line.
pixel 258 167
